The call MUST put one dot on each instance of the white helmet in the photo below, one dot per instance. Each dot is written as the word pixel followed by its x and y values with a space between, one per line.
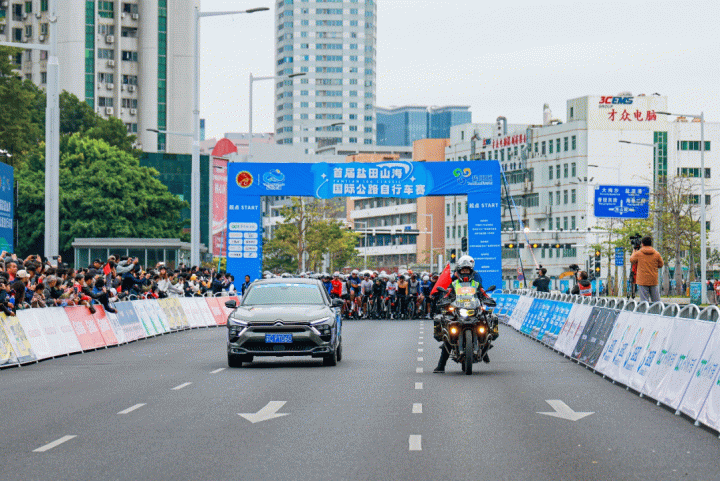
pixel 426 278
pixel 354 272
pixel 336 274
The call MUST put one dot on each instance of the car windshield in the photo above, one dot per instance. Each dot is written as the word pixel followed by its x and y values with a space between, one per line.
pixel 286 293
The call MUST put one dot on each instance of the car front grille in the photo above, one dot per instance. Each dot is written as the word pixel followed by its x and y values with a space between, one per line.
pixel 295 346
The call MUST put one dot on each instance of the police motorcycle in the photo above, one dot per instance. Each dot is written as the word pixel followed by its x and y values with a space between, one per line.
pixel 468 326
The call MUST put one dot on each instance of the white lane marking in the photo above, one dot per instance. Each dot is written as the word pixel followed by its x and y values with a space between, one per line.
pixel 51 445
pixel 185 384
pixel 217 370
pixel 131 408
pixel 419 370
pixel 420 349
pixel 420 359
pixel 270 411
pixel 417 408
pixel 418 385
pixel 421 343
pixel 415 442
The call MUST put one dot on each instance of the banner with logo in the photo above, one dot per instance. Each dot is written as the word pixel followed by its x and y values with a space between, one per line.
pixel 103 324
pixel 85 328
pixel 572 330
pixel 596 343
pixel 247 182
pixel 7 354
pixel 168 307
pixel 556 322
pixel 7 200
pixel 116 327
pixel 129 321
pixel 583 344
pixel 204 310
pixel 174 305
pixel 689 339
pixel 158 314
pixel 59 318
pixel 216 310
pixel 517 319
pixel 706 373
pixel 656 332
pixel 189 307
pixel 145 319
pixel 36 334
pixel 17 338
pixel 618 343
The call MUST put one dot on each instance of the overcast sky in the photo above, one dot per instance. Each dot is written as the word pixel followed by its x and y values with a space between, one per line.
pixel 503 59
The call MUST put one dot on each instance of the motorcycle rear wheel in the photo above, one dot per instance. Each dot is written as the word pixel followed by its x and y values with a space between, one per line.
pixel 468 360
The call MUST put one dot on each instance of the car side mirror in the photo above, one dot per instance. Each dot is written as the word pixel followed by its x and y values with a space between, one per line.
pixel 337 302
pixel 231 304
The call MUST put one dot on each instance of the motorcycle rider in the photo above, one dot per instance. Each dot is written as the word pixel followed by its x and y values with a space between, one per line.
pixel 464 276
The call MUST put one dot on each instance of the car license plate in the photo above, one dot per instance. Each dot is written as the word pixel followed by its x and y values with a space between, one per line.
pixel 278 338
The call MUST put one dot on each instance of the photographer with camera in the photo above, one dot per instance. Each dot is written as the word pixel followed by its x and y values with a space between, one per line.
pixel 646 261
pixel 542 282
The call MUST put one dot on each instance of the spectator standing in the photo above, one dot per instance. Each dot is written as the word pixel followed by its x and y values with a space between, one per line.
pixel 245 285
pixel 542 282
pixel 648 262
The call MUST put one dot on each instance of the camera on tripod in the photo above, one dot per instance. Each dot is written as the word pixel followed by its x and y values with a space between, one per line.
pixel 574 267
pixel 635 241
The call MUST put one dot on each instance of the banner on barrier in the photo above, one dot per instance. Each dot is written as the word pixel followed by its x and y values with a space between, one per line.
pixel 129 321
pixel 7 353
pixel 158 315
pixel 116 327
pixel 189 307
pixel 172 307
pixel 145 320
pixel 572 330
pixel 17 338
pixel 520 312
pixel 617 344
pixel 217 312
pixel 654 338
pixel 674 368
pixel 85 328
pixel 103 324
pixel 34 334
pixel 703 377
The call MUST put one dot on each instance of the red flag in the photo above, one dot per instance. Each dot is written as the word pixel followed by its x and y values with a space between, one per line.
pixel 444 280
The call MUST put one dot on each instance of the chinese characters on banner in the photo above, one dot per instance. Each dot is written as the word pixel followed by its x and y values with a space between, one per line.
pixel 374 181
pixel 636 116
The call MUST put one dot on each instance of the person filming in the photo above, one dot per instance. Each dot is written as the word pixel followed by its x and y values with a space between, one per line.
pixel 647 261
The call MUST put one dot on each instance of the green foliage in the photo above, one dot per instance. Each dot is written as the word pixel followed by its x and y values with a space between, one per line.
pixel 104 192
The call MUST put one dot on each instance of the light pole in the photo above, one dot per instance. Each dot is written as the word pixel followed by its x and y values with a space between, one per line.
pixel 52 133
pixel 250 99
pixel 431 238
pixel 195 170
pixel 703 228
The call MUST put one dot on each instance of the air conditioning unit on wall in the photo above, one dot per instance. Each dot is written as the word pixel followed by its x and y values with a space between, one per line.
pixel 109 110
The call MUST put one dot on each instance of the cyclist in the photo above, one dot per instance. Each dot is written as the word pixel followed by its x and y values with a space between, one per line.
pixel 378 290
pixel 354 285
pixel 402 292
pixel 425 289
pixel 413 292
pixel 366 290
pixel 391 289
pixel 336 291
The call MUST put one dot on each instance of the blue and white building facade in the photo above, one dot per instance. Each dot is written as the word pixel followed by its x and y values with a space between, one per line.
pixel 404 125
pixel 334 44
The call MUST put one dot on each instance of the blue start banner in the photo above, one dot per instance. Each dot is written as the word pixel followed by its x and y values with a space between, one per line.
pixel 7 196
pixel 480 181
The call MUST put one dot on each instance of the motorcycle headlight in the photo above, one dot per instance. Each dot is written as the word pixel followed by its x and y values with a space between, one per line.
pixel 320 321
pixel 234 321
pixel 463 312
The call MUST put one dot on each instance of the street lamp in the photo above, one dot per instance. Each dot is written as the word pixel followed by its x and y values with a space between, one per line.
pixel 258 79
pixel 195 171
pixel 703 229
pixel 431 238
pixel 52 133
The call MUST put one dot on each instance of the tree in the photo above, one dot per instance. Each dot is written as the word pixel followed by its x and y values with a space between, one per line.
pixel 104 192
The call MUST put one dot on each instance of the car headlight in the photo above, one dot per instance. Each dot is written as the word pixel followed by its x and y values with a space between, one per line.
pixel 463 312
pixel 320 321
pixel 234 321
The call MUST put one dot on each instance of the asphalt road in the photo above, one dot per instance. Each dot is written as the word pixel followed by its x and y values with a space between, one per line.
pixel 380 414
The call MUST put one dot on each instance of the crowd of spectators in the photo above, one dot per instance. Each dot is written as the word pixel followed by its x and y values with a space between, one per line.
pixel 41 282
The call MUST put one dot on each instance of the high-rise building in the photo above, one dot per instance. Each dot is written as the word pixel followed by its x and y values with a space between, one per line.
pixel 405 125
pixel 128 59
pixel 334 44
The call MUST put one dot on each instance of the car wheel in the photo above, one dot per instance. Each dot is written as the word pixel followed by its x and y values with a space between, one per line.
pixel 339 351
pixel 332 359
pixel 234 360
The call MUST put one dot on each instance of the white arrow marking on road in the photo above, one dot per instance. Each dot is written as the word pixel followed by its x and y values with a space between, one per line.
pixel 268 412
pixel 564 411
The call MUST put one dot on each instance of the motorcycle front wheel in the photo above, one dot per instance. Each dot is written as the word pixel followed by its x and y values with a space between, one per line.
pixel 468 360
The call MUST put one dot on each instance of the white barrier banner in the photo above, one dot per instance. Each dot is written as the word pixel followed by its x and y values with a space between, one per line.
pixel 653 338
pixel 191 311
pixel 521 310
pixel 703 377
pixel 52 330
pixel 117 329
pixel 695 335
pixel 34 334
pixel 204 310
pixel 158 315
pixel 61 320
pixel 628 351
pixel 617 344
pixel 145 318
pixel 573 329
pixel 7 354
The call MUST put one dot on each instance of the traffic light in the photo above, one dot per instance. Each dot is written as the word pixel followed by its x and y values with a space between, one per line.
pixel 535 245
pixel 464 244
pixel 597 262
pixel 513 245
pixel 452 255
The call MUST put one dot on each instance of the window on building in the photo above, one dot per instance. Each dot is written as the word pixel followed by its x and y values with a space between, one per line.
pixel 557 171
pixel 130 7
pixel 565 141
pixel 573 171
pixel 542 148
pixel 550 198
pixel 447 232
pixel 565 223
pixel 129 32
pixel 43 77
pixel 105 77
pixel 44 5
pixel 106 9
pixel 447 209
pixel 131 128
pixel 129 56
pixel 565 170
pixel 557 197
pixel 557 223
pixel 105 101
pixel 573 145
pixel 572 222
pixel 106 53
pixel 550 147
pixel 572 196
pixel 129 79
pixel 557 145
pixel 28 7
pixel 129 103
pixel 565 196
